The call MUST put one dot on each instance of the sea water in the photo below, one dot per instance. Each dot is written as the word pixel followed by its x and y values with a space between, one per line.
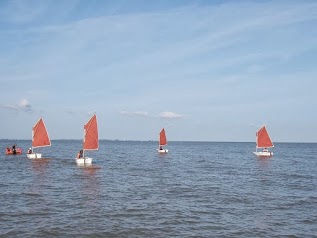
pixel 198 189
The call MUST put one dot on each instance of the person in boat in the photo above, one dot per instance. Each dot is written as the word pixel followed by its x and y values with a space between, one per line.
pixel 265 150
pixel 29 151
pixel 80 154
pixel 161 148
pixel 14 151
pixel 8 150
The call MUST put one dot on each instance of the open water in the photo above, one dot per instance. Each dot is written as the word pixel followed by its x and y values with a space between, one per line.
pixel 198 189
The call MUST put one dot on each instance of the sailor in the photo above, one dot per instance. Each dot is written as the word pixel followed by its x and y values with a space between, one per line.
pixel 30 151
pixel 80 154
pixel 14 151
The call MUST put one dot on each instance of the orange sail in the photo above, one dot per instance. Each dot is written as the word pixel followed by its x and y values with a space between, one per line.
pixel 40 135
pixel 163 140
pixel 263 139
pixel 91 134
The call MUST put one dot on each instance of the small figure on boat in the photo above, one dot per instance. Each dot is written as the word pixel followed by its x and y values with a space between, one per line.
pixel 80 154
pixel 161 148
pixel 29 151
pixel 265 150
pixel 14 151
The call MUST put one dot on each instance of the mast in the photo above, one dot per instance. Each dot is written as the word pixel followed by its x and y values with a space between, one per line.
pixel 256 143
pixel 32 140
pixel 84 138
pixel 159 141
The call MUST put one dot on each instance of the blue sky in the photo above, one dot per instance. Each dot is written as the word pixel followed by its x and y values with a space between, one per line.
pixel 204 70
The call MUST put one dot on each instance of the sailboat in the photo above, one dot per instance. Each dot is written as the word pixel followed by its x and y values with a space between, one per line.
pixel 40 138
pixel 162 142
pixel 264 141
pixel 90 141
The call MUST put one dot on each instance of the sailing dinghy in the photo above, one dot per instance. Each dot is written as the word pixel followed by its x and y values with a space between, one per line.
pixel 264 141
pixel 40 138
pixel 162 142
pixel 91 141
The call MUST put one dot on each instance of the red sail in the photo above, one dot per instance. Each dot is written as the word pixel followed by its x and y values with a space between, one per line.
pixel 91 134
pixel 40 135
pixel 163 140
pixel 263 139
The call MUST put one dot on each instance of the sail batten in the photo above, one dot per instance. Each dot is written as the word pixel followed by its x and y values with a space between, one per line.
pixel 91 141
pixel 40 136
pixel 263 139
pixel 163 140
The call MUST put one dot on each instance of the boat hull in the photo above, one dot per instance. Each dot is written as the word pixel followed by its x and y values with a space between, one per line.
pixel 263 154
pixel 10 152
pixel 34 156
pixel 83 161
pixel 162 151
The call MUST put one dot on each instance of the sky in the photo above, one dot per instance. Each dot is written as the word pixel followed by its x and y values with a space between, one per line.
pixel 203 70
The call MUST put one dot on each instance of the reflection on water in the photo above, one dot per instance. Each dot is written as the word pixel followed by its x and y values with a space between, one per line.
pixel 89 169
pixel 264 162
pixel 90 185
pixel 39 177
pixel 40 165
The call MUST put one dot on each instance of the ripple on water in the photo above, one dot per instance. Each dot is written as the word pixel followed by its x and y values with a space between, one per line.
pixel 197 190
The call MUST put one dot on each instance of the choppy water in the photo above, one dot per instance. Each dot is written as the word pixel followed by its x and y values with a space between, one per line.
pixel 197 190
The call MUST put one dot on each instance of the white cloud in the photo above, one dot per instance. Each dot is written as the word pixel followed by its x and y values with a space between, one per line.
pixel 163 115
pixel 136 114
pixel 170 115
pixel 23 105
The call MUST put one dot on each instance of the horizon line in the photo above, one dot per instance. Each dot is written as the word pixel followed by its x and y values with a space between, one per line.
pixel 128 140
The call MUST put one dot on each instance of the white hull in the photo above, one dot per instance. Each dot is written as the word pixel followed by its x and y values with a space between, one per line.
pixel 263 154
pixel 83 161
pixel 34 156
pixel 162 151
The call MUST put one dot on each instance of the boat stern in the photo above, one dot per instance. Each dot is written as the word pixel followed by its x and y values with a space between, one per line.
pixel 34 156
pixel 263 154
pixel 83 161
pixel 164 151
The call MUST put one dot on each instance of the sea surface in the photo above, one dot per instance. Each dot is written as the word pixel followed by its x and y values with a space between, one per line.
pixel 198 189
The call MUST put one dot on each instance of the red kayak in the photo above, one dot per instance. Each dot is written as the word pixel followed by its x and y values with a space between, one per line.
pixel 10 152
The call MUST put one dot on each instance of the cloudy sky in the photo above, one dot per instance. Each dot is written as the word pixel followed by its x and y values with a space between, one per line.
pixel 204 70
